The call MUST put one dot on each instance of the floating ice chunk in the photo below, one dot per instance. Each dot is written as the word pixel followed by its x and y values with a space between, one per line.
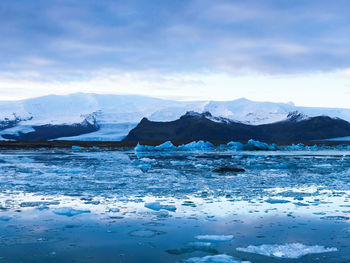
pixel 68 211
pixel 200 145
pixel 158 206
pixel 252 145
pixel 291 250
pixel 256 145
pixel 167 146
pixel 215 238
pixel 234 146
pixel 299 147
pixel 215 259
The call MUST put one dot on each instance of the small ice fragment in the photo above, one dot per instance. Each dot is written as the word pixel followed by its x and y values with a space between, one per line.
pixel 291 250
pixel 158 206
pixel 215 238
pixel 215 259
pixel 68 211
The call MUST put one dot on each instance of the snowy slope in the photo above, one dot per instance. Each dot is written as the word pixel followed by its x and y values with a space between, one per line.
pixel 118 114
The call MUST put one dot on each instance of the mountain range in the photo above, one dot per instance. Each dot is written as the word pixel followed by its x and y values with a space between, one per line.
pixel 202 126
pixel 85 116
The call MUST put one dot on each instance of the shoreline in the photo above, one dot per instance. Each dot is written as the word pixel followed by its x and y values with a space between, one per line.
pixel 131 144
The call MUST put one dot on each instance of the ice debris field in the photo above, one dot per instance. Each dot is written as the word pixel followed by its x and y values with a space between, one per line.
pixel 167 204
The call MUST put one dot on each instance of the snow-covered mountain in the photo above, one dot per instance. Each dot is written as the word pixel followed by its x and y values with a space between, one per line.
pixel 116 115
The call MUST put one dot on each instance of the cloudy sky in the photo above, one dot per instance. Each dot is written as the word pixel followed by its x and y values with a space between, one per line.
pixel 266 50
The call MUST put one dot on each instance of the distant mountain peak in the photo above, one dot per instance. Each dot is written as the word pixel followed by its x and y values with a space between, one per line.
pixel 297 116
pixel 195 114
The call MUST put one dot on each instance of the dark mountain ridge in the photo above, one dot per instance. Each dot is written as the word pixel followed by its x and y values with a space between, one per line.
pixel 202 126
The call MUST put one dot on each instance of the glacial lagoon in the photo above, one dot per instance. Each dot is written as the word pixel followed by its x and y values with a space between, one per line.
pixel 167 205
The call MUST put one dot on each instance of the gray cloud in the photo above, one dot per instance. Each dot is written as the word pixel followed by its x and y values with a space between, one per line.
pixel 70 39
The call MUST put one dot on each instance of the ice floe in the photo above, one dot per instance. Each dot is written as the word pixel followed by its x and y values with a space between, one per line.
pixel 222 258
pixel 68 211
pixel 158 206
pixel 215 238
pixel 291 250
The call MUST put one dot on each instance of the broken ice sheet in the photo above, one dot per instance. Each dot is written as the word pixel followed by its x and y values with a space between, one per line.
pixel 291 250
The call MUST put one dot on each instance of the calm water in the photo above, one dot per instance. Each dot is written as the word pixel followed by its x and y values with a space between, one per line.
pixel 85 205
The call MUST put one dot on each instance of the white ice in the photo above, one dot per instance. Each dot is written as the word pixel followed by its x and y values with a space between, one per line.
pixel 68 211
pixel 158 206
pixel 291 250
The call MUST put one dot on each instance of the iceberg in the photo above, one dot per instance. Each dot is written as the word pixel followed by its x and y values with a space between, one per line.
pixel 68 211
pixel 158 206
pixel 214 238
pixel 299 147
pixel 200 145
pixel 222 258
pixel 291 250
pixel 234 146
pixel 253 145
pixel 168 146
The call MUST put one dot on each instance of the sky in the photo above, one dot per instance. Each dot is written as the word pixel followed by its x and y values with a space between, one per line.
pixel 264 50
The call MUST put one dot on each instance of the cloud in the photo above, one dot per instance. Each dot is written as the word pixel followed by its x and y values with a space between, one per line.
pixel 68 39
